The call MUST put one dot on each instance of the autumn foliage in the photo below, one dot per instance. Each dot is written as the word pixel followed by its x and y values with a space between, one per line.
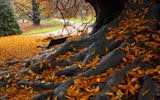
pixel 142 46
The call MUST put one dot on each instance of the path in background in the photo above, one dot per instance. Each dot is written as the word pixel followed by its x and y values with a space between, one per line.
pixel 72 28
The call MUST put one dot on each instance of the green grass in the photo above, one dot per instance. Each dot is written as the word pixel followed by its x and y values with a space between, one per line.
pixel 55 25
pixel 44 30
pixel 79 20
pixel 50 21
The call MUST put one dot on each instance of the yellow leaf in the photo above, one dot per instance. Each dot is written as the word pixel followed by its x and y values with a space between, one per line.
pixel 92 90
pixel 122 86
pixel 31 73
pixel 43 81
pixel 98 80
pixel 137 86
pixel 140 72
pixel 145 92
pixel 134 79
pixel 120 93
pixel 124 59
pixel 41 65
pixel 1 77
pixel 132 90
pixel 109 93
pixel 113 98
pixel 50 65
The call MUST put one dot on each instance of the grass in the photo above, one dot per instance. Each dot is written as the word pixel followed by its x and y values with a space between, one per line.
pixel 50 21
pixel 44 30
pixel 47 25
pixel 79 19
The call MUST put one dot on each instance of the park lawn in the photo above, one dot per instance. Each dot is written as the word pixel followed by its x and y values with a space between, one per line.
pixel 45 26
pixel 44 30
pixel 50 21
pixel 86 20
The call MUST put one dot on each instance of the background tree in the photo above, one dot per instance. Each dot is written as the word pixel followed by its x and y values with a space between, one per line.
pixel 36 13
pixel 72 8
pixel 29 9
pixel 8 20
pixel 54 8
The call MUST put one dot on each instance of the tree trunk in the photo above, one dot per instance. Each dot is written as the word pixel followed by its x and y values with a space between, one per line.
pixel 120 59
pixel 36 14
pixel 106 11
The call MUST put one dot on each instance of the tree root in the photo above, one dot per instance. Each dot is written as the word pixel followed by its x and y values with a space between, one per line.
pixel 72 71
pixel 112 59
pixel 149 90
pixel 37 85
pixel 115 79
pixel 38 63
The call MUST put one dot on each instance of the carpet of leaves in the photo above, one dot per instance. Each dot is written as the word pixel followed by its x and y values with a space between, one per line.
pixel 17 48
pixel 85 88
pixel 20 47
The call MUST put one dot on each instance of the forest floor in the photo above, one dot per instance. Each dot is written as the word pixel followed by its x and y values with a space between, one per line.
pixel 16 48
pixel 20 47
pixel 13 47
pixel 13 51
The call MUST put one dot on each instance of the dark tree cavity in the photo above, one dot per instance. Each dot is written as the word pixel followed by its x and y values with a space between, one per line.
pixel 106 11
pixel 120 44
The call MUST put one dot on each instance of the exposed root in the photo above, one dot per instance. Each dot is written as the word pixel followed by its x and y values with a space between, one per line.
pixel 72 71
pixel 37 85
pixel 47 59
pixel 115 79
pixel 149 90
pixel 112 59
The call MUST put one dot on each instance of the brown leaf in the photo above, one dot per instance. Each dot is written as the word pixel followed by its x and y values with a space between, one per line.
pixel 145 92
